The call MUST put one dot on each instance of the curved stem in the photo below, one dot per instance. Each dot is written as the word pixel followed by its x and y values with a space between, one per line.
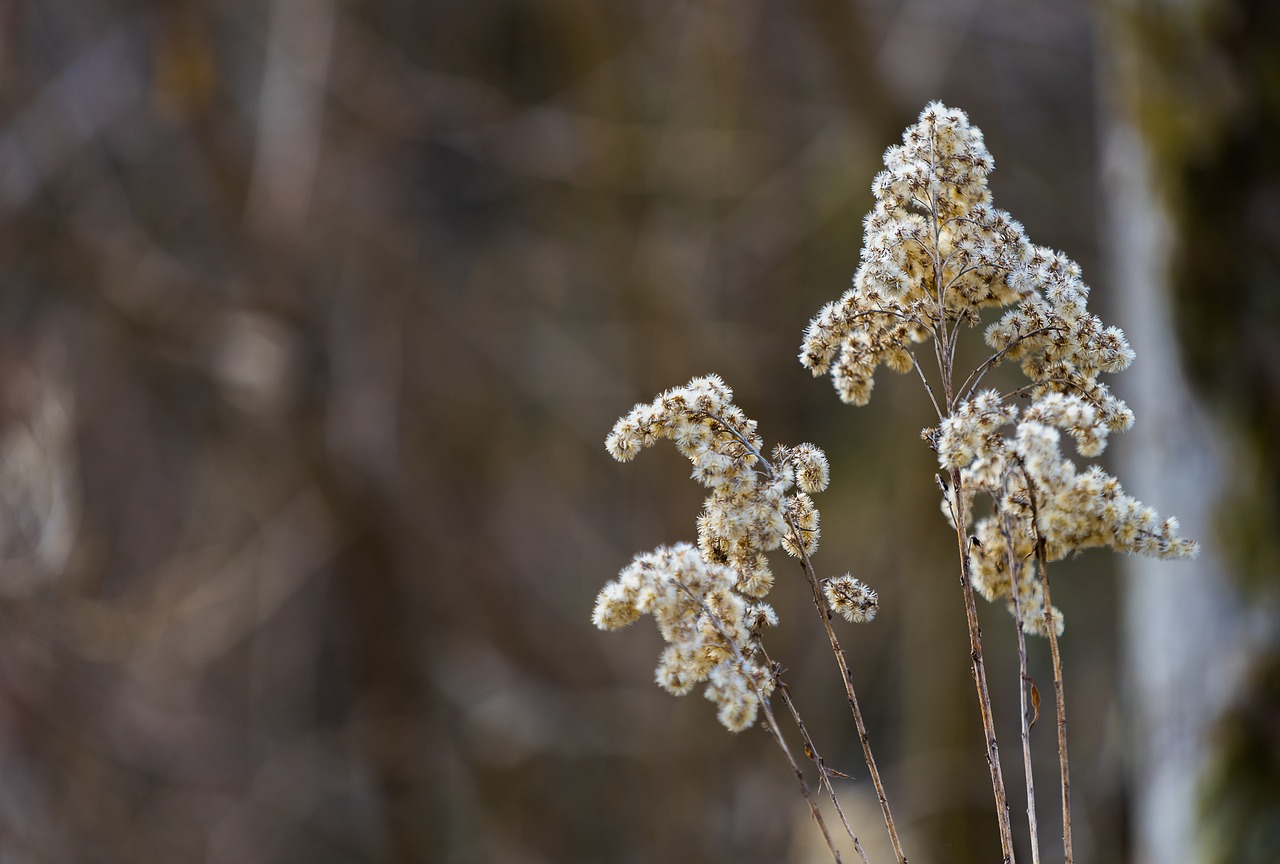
pixel 1065 382
pixel 977 374
pixel 841 660
pixel 925 382
pixel 1059 695
pixel 956 502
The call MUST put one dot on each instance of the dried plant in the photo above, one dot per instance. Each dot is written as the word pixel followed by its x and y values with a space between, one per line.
pixel 936 256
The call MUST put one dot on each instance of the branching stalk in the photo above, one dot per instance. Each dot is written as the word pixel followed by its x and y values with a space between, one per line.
pixel 841 661
pixel 936 256
pixel 975 377
pixel 927 388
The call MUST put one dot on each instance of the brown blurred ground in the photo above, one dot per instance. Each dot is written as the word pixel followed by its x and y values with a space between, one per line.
pixel 314 316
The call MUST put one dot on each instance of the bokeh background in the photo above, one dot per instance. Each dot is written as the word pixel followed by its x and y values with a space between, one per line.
pixel 314 315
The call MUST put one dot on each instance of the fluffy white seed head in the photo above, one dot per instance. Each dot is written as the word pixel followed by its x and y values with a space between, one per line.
pixel 851 597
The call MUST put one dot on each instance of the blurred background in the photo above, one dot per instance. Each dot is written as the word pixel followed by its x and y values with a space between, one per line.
pixel 314 316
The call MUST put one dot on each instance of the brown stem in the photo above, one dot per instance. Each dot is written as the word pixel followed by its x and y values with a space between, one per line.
pixel 814 810
pixel 1059 693
pixel 772 722
pixel 824 773
pixel 1065 382
pixel 841 661
pixel 975 377
pixel 847 677
pixel 1015 569
pixel 925 382
pixel 980 674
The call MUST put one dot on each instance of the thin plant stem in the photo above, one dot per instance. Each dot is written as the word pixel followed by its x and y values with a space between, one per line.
pixel 925 382
pixel 975 377
pixel 842 662
pixel 814 810
pixel 1059 693
pixel 955 502
pixel 1065 383
pixel 1059 696
pixel 1015 571
pixel 772 723
pixel 815 757
pixel 945 343
pixel 980 673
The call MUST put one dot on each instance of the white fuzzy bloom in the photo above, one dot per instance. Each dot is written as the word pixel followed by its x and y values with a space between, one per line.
pixel 734 690
pixel 934 250
pixel 1040 493
pixel 804 516
pixel 760 616
pixel 1075 416
pixel 850 597
pixel 812 471
pixel 972 429
pixel 989 568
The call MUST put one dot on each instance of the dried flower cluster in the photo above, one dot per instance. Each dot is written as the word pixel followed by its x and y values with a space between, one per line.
pixel 703 598
pixel 1037 493
pixel 934 250
pixel 708 626
pixel 850 597
pixel 936 254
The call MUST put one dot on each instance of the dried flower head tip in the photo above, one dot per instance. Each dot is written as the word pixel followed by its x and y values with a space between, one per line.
pixel 850 597
pixel 697 416
pixel 972 429
pixel 935 253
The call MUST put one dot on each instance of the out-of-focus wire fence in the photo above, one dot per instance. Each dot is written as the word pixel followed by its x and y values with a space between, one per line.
pixel 313 318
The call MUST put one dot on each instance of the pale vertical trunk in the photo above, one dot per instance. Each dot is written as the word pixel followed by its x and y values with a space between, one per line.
pixel 1182 624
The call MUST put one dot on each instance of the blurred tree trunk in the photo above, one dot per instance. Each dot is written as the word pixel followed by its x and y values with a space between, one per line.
pixel 1178 618
pixel 1183 101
